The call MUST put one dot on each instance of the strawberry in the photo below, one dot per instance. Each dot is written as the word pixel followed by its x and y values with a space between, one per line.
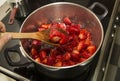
pixel 75 57
pixel 41 29
pixel 37 60
pixel 36 43
pixel 75 51
pixel 63 39
pixel 55 35
pixel 85 54
pixel 67 56
pixel 82 59
pixel 34 52
pixel 42 55
pixel 50 60
pixel 62 26
pixel 44 61
pixel 91 49
pixel 59 58
pixel 82 36
pixel 66 20
pixel 58 64
pixel 80 46
pixel 87 42
pixel 46 26
pixel 73 29
pixel 71 62
pixel 65 63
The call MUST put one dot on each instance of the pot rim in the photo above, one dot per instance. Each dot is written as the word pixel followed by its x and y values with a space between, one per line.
pixel 63 67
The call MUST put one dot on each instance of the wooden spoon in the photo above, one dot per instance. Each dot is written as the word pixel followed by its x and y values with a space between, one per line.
pixel 41 35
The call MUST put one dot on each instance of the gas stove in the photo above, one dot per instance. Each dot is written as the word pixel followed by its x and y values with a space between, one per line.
pixel 25 70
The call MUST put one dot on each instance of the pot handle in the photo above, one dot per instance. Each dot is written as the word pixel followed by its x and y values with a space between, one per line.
pixel 14 56
pixel 20 60
pixel 12 15
pixel 100 6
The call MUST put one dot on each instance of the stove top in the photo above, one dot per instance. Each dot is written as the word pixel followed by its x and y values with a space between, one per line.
pixel 28 70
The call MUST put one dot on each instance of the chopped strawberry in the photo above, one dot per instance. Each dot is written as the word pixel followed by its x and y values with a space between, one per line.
pixel 80 46
pixel 34 51
pixel 64 39
pixel 75 57
pixel 59 58
pixel 66 20
pixel 58 64
pixel 66 56
pixel 44 61
pixel 82 59
pixel 36 44
pixel 85 54
pixel 71 62
pixel 37 60
pixel 88 42
pixel 91 49
pixel 50 60
pixel 41 29
pixel 62 26
pixel 74 29
pixel 82 36
pixel 46 26
pixel 55 35
pixel 75 51
pixel 42 55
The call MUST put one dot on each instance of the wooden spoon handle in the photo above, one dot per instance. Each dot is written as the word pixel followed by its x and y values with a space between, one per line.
pixel 18 35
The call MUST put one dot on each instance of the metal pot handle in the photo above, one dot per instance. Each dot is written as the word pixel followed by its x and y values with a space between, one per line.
pixel 16 50
pixel 94 5
pixel 20 61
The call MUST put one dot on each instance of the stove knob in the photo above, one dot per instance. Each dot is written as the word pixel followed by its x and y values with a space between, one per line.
pixel 115 26
pixel 112 35
pixel 103 69
pixel 117 20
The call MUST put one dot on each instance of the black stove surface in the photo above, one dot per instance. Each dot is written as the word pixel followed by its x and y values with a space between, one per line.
pixel 27 69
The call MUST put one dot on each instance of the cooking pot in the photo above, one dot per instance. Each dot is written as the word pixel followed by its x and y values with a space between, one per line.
pixel 55 12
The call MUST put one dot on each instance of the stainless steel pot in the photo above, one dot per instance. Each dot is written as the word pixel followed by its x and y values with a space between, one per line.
pixel 56 11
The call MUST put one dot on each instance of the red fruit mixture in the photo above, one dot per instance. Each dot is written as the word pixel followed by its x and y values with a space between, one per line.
pixel 76 46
